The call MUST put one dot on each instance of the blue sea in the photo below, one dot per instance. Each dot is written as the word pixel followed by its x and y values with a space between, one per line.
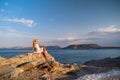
pixel 69 56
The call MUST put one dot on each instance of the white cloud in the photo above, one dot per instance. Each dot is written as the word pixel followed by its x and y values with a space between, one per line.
pixel 106 36
pixel 103 36
pixel 111 28
pixel 104 32
pixel 66 38
pixel 26 22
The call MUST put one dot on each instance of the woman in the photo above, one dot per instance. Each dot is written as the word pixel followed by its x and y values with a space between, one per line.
pixel 39 49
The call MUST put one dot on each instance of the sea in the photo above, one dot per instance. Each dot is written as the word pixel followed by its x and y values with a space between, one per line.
pixel 68 55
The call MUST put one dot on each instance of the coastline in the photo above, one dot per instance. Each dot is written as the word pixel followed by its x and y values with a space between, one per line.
pixel 33 66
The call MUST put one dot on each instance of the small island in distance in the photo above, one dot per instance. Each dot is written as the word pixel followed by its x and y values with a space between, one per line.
pixel 72 46
pixel 90 46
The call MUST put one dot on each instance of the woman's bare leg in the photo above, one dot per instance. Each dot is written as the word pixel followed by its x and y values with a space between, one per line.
pixel 44 52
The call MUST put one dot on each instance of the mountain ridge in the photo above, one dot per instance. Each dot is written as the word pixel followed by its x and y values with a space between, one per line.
pixel 90 46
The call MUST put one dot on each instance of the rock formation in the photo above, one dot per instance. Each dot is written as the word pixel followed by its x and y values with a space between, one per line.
pixel 107 62
pixel 33 66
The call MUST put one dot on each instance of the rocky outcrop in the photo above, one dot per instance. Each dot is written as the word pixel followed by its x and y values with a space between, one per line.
pixel 33 66
pixel 107 62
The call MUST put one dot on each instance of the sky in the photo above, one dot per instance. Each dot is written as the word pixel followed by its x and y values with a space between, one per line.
pixel 59 22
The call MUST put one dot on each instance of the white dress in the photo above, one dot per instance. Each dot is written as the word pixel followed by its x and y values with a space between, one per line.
pixel 38 49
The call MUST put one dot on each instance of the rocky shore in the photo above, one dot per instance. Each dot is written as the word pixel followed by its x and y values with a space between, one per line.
pixel 33 66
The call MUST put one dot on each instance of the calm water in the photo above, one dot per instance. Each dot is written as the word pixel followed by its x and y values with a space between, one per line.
pixel 70 56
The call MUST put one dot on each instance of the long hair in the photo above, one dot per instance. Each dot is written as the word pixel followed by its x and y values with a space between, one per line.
pixel 35 41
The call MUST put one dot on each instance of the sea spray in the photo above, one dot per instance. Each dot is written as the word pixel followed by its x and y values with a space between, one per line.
pixel 100 76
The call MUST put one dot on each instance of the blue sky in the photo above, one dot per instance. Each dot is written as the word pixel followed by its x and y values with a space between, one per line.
pixel 59 22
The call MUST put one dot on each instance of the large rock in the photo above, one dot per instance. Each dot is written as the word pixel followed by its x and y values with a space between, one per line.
pixel 32 64
pixel 107 62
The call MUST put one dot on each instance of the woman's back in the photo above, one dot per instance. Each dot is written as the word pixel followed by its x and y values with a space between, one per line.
pixel 38 48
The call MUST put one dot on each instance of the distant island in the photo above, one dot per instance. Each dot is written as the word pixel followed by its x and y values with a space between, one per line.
pixel 53 47
pixel 89 46
pixel 72 46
